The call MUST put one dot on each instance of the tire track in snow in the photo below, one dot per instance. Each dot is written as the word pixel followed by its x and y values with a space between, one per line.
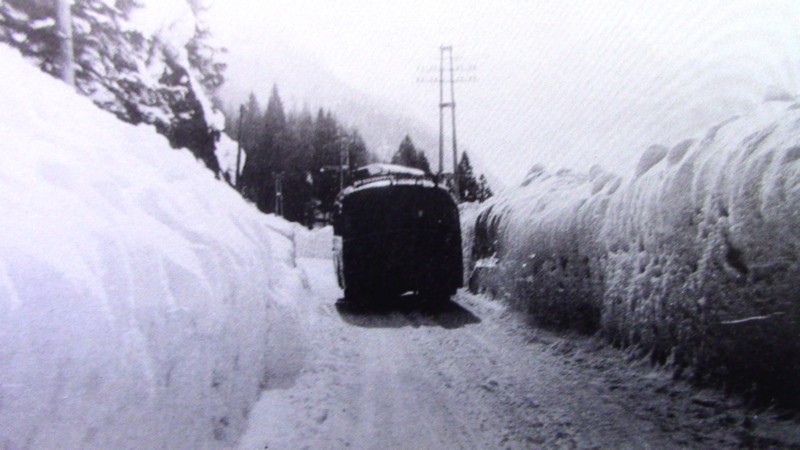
pixel 414 378
pixel 401 406
pixel 543 402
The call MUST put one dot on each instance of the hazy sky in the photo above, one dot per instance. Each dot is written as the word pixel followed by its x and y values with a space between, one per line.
pixel 562 83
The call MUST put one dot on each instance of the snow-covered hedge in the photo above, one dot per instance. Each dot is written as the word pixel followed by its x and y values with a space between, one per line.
pixel 695 257
pixel 143 304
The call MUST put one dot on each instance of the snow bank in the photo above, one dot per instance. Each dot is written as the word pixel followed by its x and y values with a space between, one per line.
pixel 143 304
pixel 696 257
pixel 316 243
pixel 544 238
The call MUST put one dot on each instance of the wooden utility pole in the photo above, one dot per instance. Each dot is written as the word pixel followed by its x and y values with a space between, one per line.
pixel 456 188
pixel 452 105
pixel 239 148
pixel 278 193
pixel 447 50
pixel 64 30
pixel 344 163
pixel 441 111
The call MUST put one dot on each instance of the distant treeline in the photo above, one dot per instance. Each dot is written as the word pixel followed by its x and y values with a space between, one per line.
pixel 303 150
pixel 305 154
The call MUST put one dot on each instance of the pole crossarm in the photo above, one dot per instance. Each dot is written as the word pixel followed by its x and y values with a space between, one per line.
pixel 471 79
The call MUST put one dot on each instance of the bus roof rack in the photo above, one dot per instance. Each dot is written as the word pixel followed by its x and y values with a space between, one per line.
pixel 379 169
pixel 372 173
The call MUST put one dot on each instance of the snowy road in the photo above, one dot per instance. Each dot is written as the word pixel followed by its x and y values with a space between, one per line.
pixel 472 375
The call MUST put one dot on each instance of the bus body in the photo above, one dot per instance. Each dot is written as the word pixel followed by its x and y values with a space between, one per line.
pixel 396 231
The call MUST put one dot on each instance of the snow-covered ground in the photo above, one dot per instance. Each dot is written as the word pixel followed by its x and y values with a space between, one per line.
pixel 695 258
pixel 143 303
pixel 472 374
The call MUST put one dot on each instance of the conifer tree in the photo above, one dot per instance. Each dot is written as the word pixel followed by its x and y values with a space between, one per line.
pixel 467 185
pixel 301 128
pixel 251 133
pixel 484 191
pixel 308 152
pixel 407 155
pixel 252 129
pixel 274 132
pixel 422 162
pixel 328 147
pixel 326 140
pixel 358 155
pixel 267 158
pixel 298 186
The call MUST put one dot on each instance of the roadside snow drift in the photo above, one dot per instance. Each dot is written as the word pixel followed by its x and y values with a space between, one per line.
pixel 696 257
pixel 143 304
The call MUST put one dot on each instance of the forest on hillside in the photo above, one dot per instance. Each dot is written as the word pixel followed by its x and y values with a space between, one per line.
pixel 300 154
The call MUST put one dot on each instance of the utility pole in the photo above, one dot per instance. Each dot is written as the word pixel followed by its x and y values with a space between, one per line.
pixel 441 112
pixel 239 148
pixel 453 116
pixel 66 53
pixel 278 193
pixel 459 73
pixel 452 105
pixel 344 163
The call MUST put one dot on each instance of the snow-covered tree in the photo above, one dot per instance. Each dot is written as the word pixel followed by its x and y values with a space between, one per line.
pixel 203 54
pixel 139 73
pixel 30 26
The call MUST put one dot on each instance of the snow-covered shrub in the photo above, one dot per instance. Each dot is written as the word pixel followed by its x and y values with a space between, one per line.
pixel 696 256
pixel 143 304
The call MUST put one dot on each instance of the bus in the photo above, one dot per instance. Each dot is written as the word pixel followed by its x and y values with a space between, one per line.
pixel 396 231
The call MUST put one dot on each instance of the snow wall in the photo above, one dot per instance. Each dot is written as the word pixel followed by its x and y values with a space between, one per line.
pixel 694 258
pixel 143 304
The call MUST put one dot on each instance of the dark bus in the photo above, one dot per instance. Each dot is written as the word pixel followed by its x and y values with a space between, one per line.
pixel 396 231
